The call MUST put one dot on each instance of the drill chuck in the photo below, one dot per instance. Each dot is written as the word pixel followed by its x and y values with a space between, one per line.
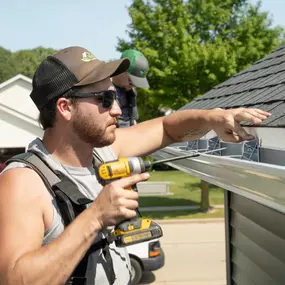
pixel 123 167
pixel 137 165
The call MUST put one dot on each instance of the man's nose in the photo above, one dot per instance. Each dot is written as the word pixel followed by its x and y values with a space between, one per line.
pixel 115 110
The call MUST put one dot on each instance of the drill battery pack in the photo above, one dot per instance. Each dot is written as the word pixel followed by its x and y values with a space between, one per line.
pixel 136 231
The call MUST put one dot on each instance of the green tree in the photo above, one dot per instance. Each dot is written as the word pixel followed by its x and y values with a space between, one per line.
pixel 193 45
pixel 28 60
pixel 7 65
pixel 23 61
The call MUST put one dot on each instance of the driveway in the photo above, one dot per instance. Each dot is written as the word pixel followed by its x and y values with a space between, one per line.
pixel 194 254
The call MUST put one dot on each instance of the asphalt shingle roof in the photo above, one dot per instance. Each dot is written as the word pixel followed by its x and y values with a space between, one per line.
pixel 262 86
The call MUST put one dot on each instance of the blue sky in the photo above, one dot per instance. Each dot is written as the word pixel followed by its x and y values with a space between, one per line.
pixel 93 24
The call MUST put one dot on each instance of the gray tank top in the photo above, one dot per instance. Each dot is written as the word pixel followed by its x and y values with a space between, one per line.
pixel 87 183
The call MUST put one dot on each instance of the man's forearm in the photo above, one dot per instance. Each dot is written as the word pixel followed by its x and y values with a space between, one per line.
pixel 177 127
pixel 187 125
pixel 54 263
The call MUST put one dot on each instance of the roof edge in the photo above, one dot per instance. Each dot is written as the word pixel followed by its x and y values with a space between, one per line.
pixel 14 79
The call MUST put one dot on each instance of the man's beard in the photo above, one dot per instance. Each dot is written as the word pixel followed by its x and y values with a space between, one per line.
pixel 89 132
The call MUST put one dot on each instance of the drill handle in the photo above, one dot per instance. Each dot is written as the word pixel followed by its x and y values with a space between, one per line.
pixel 133 187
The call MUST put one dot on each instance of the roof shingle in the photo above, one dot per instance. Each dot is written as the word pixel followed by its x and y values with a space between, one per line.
pixel 262 85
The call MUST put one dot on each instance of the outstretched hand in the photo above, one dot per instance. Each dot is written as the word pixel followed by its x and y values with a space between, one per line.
pixel 226 123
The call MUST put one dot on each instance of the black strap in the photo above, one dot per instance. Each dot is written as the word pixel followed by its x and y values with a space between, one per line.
pixel 110 273
pixel 97 159
pixel 37 165
pixel 52 179
pixel 82 267
pixel 71 202
pixel 132 105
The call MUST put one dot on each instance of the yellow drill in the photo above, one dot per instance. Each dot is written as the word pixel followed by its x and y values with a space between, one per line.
pixel 130 231
pixel 135 231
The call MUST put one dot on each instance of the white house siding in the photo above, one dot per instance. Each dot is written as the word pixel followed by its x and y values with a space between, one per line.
pixel 17 97
pixel 271 138
pixel 18 114
pixel 15 132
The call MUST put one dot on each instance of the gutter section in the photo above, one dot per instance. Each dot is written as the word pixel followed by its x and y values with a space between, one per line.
pixel 261 182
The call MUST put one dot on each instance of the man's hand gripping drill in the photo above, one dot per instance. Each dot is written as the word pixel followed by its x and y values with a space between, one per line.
pixel 132 230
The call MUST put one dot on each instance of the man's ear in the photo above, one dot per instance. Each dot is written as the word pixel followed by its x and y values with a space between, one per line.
pixel 64 108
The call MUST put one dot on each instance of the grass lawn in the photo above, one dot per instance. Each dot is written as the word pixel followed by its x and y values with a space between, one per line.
pixel 185 189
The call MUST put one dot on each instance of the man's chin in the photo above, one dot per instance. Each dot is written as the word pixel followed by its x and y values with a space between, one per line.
pixel 107 141
pixel 112 140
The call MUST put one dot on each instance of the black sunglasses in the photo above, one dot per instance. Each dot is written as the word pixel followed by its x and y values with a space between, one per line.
pixel 106 97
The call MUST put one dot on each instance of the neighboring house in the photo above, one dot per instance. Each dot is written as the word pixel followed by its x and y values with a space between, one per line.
pixel 18 117
pixel 252 173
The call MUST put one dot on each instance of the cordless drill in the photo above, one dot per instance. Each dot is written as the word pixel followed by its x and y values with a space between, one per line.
pixel 134 230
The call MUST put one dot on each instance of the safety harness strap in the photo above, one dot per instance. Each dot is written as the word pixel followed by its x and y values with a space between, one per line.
pixel 71 203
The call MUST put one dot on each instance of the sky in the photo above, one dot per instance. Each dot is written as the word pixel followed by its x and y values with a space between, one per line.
pixel 93 24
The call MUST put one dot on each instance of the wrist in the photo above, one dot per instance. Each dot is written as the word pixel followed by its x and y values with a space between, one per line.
pixel 215 116
pixel 96 224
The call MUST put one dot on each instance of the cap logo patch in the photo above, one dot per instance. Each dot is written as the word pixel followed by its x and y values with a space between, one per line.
pixel 87 56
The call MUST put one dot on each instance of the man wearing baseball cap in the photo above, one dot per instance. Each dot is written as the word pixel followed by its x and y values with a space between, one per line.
pixel 78 110
pixel 126 83
pixel 56 215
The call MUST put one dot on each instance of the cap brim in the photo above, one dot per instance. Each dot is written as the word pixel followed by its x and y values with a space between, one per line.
pixel 105 70
pixel 140 82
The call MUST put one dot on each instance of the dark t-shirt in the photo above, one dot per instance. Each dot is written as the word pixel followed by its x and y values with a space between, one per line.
pixel 127 100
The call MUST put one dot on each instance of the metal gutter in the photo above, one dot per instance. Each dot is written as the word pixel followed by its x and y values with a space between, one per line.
pixel 261 182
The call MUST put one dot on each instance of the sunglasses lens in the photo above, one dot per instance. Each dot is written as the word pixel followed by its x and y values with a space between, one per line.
pixel 109 97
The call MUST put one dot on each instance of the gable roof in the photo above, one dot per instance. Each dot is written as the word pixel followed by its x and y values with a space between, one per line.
pixel 15 100
pixel 15 78
pixel 262 86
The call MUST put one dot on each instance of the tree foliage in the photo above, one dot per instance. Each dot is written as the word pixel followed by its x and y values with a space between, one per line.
pixel 193 45
pixel 23 61
pixel 7 66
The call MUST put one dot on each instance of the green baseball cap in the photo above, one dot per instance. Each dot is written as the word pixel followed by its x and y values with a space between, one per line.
pixel 138 68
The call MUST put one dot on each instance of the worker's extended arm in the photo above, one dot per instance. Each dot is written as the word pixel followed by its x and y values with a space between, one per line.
pixel 185 125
